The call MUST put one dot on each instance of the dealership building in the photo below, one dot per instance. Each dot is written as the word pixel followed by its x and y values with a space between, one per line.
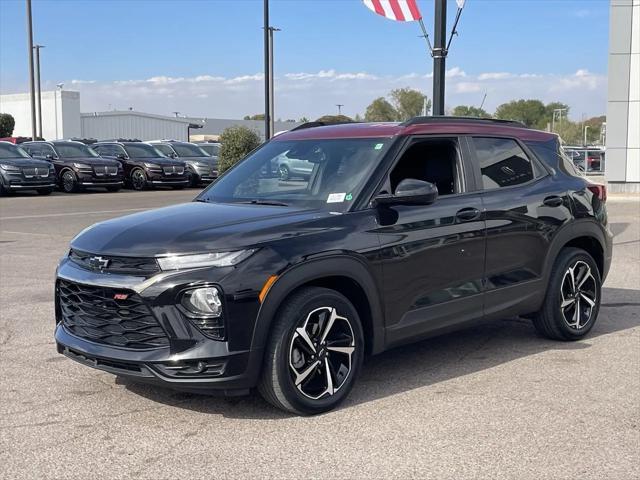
pixel 61 118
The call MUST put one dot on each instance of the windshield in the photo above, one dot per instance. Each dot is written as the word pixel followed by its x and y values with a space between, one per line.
pixel 142 150
pixel 211 149
pixel 166 149
pixel 8 150
pixel 187 150
pixel 74 150
pixel 325 174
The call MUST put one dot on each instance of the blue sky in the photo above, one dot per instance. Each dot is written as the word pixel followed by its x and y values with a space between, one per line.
pixel 107 45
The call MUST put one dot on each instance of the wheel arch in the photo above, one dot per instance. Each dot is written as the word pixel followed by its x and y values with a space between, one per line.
pixel 345 274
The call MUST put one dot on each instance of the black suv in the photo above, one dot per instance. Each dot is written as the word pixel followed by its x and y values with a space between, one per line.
pixel 402 231
pixel 77 166
pixel 18 171
pixel 144 165
pixel 202 167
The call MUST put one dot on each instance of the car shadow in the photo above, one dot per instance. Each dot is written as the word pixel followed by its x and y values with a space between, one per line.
pixel 425 363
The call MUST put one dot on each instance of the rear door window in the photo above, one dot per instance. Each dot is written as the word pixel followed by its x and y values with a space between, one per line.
pixel 502 162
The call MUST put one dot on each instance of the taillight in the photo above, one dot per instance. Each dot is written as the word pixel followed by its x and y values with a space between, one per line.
pixel 599 191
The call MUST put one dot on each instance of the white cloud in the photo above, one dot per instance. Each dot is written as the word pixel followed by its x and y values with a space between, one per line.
pixel 312 94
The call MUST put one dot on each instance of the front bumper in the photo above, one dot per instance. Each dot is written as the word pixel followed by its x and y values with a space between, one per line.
pixel 191 361
pixel 92 180
pixel 17 181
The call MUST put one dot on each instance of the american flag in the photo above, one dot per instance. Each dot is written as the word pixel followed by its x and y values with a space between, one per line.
pixel 399 10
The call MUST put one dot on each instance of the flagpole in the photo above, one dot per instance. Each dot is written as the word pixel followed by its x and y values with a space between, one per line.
pixel 267 75
pixel 439 55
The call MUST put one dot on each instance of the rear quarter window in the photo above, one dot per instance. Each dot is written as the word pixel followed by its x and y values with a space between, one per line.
pixel 551 153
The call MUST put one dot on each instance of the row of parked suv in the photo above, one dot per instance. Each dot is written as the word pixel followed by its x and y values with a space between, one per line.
pixel 73 165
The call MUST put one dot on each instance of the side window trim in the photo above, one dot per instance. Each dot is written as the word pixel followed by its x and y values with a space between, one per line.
pixel 539 171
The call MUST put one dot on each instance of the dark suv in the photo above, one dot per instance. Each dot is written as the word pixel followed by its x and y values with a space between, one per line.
pixel 202 167
pixel 401 232
pixel 77 166
pixel 18 171
pixel 144 165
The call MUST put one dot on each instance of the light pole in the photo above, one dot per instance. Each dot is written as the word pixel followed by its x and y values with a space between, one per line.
pixel 39 97
pixel 267 81
pixel 339 105
pixel 439 55
pixel 271 81
pixel 31 79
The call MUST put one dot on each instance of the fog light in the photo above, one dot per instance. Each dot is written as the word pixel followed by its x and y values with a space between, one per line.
pixel 203 301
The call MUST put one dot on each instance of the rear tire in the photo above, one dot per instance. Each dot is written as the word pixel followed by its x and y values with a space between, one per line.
pixel 314 353
pixel 284 173
pixel 44 191
pixel 572 302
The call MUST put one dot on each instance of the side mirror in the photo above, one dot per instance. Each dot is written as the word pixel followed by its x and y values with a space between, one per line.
pixel 121 156
pixel 410 191
pixel 50 156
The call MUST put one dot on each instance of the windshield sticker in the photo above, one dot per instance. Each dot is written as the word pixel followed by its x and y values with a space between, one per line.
pixel 349 197
pixel 336 197
pixel 378 146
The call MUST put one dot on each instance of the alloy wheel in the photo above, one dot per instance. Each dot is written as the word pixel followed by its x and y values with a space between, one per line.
pixel 284 172
pixel 68 181
pixel 138 180
pixel 320 353
pixel 578 293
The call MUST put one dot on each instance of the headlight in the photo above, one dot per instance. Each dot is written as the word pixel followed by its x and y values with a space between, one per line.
pixel 222 259
pixel 12 168
pixel 203 301
pixel 152 166
pixel 81 166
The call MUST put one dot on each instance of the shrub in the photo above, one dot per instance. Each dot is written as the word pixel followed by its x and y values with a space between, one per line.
pixel 236 143
pixel 7 124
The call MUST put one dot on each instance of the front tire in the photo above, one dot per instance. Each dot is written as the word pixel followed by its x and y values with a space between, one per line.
pixel 138 179
pixel 284 173
pixel 69 182
pixel 314 353
pixel 573 297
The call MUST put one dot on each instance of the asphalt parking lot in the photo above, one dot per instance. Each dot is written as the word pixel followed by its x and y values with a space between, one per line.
pixel 495 401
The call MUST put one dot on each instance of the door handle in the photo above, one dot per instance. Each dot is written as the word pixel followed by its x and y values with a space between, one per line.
pixel 468 214
pixel 553 201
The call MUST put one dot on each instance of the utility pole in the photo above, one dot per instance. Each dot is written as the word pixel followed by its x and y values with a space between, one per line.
pixel 271 83
pixel 39 97
pixel 267 80
pixel 339 105
pixel 31 79
pixel 439 55
pixel 586 128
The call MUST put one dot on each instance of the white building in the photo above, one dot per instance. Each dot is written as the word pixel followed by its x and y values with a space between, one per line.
pixel 131 124
pixel 60 113
pixel 623 108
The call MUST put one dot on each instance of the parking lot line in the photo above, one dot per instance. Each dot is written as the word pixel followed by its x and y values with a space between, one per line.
pixel 68 214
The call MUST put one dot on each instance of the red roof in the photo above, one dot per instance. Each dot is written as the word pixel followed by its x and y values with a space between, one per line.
pixel 381 130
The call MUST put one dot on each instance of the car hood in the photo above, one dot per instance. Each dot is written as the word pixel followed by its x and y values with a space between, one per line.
pixel 207 160
pixel 165 162
pixel 92 161
pixel 25 162
pixel 196 227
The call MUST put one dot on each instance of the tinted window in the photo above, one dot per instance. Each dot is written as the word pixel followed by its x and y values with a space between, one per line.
pixel 553 155
pixel 8 150
pixel 502 162
pixel 34 150
pixel 142 150
pixel 211 149
pixel 74 150
pixel 166 149
pixel 187 150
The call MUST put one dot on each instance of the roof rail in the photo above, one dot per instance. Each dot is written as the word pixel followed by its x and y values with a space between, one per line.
pixel 317 124
pixel 120 140
pixel 443 119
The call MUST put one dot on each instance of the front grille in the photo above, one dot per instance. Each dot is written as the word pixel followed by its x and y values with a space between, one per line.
pixel 102 170
pixel 41 172
pixel 112 264
pixel 93 313
pixel 173 170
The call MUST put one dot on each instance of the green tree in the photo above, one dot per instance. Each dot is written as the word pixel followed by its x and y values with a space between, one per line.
pixel 570 132
pixel 532 113
pixel 303 120
pixel 7 124
pixel 470 111
pixel 409 103
pixel 257 116
pixel 334 119
pixel 594 132
pixel 236 142
pixel 380 110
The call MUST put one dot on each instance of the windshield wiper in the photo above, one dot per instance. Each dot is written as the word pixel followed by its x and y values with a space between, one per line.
pixel 266 202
